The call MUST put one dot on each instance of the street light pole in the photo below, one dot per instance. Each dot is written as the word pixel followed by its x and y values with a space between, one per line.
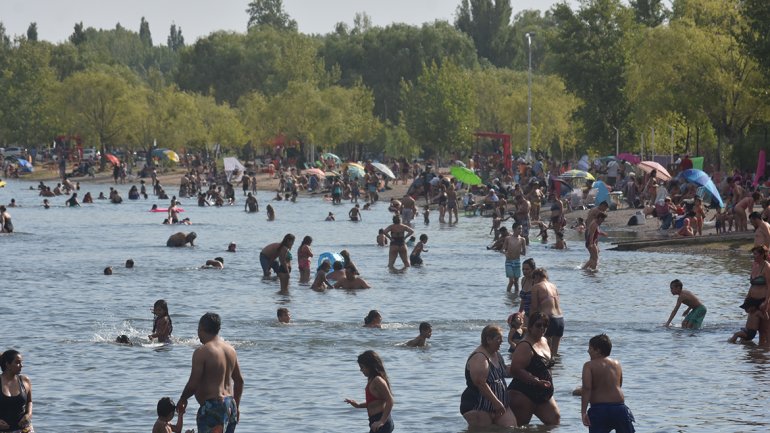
pixel 529 97
pixel 672 143
pixel 617 141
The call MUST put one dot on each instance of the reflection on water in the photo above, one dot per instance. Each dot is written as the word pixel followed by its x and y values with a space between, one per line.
pixel 66 314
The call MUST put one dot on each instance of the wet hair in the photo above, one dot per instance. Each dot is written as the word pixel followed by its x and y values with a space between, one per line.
pixel 108 270
pixel 424 326
pixel 307 240
pixel 327 264
pixel 601 343
pixel 755 215
pixel 123 339
pixel 164 306
pixel 345 255
pixel 282 311
pixel 211 323
pixel 220 260
pixel 676 283
pixel 373 314
pixel 338 265
pixel 396 219
pixel 530 262
pixel 540 273
pixel 423 238
pixel 191 236
pixel 166 407
pixel 8 356
pixel 373 364
pixel 536 317
pixel 488 332
pixel 515 226
pixel 130 263
pixel 287 239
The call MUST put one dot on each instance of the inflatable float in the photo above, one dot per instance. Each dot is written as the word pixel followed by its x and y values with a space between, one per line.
pixel 165 209
pixel 331 257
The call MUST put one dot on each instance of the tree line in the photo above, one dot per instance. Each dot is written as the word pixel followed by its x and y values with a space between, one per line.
pixel 638 73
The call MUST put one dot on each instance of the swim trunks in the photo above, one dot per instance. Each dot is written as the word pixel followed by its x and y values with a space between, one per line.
pixel 606 417
pixel 695 317
pixel 268 264
pixel 415 259
pixel 555 327
pixel 513 268
pixel 217 416
pixel 524 227
pixel 386 428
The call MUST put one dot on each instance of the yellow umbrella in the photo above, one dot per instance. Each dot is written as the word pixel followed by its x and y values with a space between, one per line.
pixel 171 155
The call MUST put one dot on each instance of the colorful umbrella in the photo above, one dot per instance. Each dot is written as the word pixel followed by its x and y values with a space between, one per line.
pixel 384 169
pixel 572 174
pixel 465 175
pixel 630 157
pixel 648 166
pixel 332 156
pixel 112 158
pixel 24 164
pixel 700 178
pixel 315 172
pixel 166 153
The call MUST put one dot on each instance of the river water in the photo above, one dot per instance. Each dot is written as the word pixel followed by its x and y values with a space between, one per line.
pixel 62 313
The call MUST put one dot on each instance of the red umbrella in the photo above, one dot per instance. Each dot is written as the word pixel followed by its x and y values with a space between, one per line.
pixel 630 157
pixel 112 158
pixel 648 166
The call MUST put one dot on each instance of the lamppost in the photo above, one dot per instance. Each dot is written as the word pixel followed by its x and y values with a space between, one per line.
pixel 617 141
pixel 529 36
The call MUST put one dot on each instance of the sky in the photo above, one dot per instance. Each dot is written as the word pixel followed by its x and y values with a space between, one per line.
pixel 56 18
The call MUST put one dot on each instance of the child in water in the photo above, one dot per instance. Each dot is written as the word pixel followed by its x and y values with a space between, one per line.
pixel 414 258
pixel 330 217
pixel 161 326
pixel 748 332
pixel 516 333
pixel 382 240
pixel 166 409
pixel 426 215
pixel 270 213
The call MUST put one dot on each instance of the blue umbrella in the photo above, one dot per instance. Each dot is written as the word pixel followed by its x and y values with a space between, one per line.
pixel 700 178
pixel 24 164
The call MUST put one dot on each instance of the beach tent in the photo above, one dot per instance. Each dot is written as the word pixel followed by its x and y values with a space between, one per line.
pixel 234 170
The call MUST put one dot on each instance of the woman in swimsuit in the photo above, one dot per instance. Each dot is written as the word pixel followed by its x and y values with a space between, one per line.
pixel 397 233
pixel 284 261
pixel 531 389
pixel 16 395
pixel 6 226
pixel 379 399
pixel 304 253
pixel 485 400
pixel 759 291
pixel 527 267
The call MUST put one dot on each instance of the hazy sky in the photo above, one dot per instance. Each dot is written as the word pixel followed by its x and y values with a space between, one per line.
pixel 56 18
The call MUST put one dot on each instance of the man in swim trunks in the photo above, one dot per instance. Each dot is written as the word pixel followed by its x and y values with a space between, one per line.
pixel 408 209
pixel 514 247
pixel 215 379
pixel 521 215
pixel 761 230
pixel 695 311
pixel 602 379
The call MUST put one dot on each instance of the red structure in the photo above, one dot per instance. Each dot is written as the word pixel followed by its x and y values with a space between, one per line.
pixel 506 146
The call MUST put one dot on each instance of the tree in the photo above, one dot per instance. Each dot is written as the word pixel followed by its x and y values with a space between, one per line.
pixel 439 109
pixel 175 38
pixel 144 33
pixel 650 13
pixel 756 36
pixel 32 32
pixel 590 55
pixel 78 36
pixel 487 22
pixel 269 13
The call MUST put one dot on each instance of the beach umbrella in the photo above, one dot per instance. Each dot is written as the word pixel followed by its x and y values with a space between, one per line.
pixel 459 163
pixel 24 164
pixel 166 154
pixel 2 184
pixel 562 182
pixel 353 169
pixel 648 166
pixel 382 168
pixel 315 172
pixel 332 156
pixel 465 175
pixel 702 179
pixel 577 174
pixel 630 157
pixel 112 158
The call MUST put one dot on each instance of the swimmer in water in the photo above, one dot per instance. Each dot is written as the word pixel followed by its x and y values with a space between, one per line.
pixel 217 263
pixel 426 331
pixel 320 283
pixel 161 326
pixel 270 213
pixel 373 319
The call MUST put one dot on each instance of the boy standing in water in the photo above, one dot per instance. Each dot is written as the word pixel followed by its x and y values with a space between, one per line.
pixel 514 247
pixel 602 382
pixel 695 311
pixel 166 409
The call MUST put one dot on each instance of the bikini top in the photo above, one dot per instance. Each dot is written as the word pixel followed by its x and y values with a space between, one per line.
pixel 370 397
pixel 759 280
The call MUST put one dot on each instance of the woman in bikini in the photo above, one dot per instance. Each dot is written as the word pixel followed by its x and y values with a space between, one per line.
pixel 485 400
pixel 16 396
pixel 304 253
pixel 759 291
pixel 531 389
pixel 379 399
pixel 397 234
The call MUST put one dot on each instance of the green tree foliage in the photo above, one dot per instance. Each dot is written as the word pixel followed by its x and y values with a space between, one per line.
pixel 650 13
pixel 756 35
pixel 32 32
pixel 144 33
pixel 269 13
pixel 5 40
pixel 175 39
pixel 543 28
pixel 487 22
pixel 439 109
pixel 590 57
pixel 78 36
pixel 27 85
pixel 382 57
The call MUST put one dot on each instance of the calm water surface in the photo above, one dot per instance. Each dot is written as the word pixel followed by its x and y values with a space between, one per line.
pixel 62 314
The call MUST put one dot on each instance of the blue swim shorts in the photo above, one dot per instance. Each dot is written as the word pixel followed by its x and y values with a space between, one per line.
pixel 513 268
pixel 217 416
pixel 606 417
